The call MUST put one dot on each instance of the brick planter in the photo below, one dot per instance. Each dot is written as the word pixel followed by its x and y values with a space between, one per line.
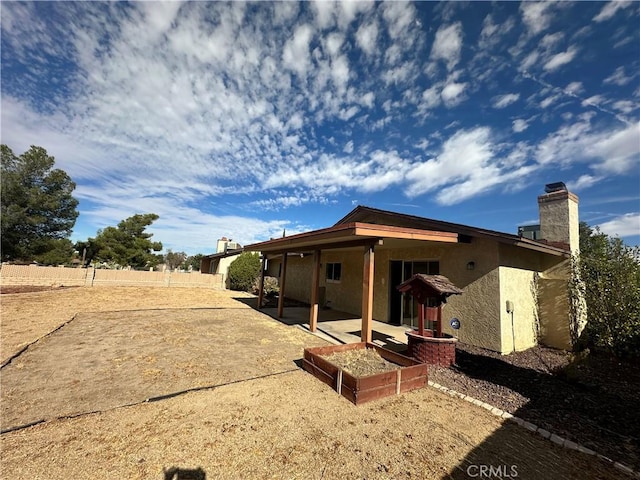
pixel 410 374
pixel 430 350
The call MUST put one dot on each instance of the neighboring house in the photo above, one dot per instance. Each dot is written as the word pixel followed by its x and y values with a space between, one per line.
pixel 226 252
pixel 515 288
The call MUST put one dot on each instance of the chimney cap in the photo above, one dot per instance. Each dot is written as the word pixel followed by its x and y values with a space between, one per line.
pixel 555 187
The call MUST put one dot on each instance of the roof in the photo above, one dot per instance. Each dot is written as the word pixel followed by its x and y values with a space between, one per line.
pixel 228 253
pixel 438 283
pixel 366 225
pixel 348 235
pixel 373 215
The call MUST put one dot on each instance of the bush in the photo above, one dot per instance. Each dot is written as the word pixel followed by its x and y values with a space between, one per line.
pixel 609 272
pixel 270 289
pixel 243 271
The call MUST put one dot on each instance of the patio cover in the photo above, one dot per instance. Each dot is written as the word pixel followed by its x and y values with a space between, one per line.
pixel 345 235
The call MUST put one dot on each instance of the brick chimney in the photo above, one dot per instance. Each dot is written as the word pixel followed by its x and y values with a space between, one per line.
pixel 559 217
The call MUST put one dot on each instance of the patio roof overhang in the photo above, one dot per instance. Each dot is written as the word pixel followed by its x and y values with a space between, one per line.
pixel 345 236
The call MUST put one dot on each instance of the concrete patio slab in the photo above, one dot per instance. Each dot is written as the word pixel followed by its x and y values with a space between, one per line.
pixel 343 327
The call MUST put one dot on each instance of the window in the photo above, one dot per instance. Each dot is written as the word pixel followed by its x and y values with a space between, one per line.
pixel 334 272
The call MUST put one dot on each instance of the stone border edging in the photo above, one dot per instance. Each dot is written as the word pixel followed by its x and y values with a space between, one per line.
pixel 563 442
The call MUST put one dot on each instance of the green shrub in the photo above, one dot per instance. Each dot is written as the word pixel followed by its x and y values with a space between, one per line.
pixel 243 271
pixel 270 288
pixel 609 272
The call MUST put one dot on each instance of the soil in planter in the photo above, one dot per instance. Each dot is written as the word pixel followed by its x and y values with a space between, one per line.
pixel 361 362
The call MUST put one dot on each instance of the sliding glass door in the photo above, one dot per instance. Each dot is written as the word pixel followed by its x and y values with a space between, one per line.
pixel 404 308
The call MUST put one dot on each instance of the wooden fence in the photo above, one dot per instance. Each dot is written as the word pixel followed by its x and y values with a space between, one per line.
pixel 91 277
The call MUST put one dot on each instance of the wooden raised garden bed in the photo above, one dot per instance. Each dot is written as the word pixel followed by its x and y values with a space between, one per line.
pixel 403 375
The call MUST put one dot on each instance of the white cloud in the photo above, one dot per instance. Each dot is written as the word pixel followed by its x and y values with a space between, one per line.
pixel 545 103
pixel 453 94
pixel 560 59
pixel 574 88
pixel 536 16
pixel 610 9
pixel 626 225
pixel 503 101
pixel 296 51
pixel 618 77
pixel 467 166
pixel 448 44
pixel 583 182
pixel 519 125
pixel 611 152
pixel 367 38
pixel 348 148
pixel 625 106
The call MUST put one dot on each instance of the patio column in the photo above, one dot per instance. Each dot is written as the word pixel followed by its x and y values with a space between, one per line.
pixel 315 292
pixel 367 293
pixel 283 278
pixel 261 285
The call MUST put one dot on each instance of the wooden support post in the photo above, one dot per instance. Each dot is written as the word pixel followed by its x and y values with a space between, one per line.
pixel 421 310
pixel 261 285
pixel 315 292
pixel 439 327
pixel 283 278
pixel 367 294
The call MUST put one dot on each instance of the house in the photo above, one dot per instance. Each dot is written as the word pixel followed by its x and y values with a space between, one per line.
pixel 226 252
pixel 514 288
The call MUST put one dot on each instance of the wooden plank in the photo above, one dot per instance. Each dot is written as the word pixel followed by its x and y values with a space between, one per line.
pixel 367 293
pixel 376 381
pixel 348 394
pixel 409 373
pixel 283 279
pixel 324 365
pixel 320 374
pixel 315 292
pixel 324 351
pixel 413 384
pixel 364 396
pixel 394 357
pixel 261 287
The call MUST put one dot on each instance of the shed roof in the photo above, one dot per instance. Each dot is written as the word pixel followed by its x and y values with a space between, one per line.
pixel 438 283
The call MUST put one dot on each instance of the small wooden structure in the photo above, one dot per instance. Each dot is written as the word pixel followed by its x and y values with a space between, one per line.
pixel 430 345
pixel 409 375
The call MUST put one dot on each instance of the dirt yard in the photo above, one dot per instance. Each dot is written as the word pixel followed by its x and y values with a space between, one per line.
pixel 138 381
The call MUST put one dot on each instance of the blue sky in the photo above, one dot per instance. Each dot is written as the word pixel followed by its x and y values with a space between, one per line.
pixel 241 120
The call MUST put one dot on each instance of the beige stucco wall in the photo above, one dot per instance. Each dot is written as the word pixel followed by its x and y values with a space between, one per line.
pixel 559 218
pixel 298 281
pixel 518 287
pixel 501 273
pixel 553 306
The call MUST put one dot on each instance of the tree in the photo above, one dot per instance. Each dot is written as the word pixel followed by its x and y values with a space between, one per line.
pixel 193 261
pixel 610 283
pixel 174 259
pixel 243 271
pixel 127 244
pixel 37 205
pixel 58 251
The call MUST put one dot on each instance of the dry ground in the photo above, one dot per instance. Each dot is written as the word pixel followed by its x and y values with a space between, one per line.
pixel 251 412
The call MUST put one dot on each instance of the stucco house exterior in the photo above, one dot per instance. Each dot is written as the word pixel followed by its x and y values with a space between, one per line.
pixel 218 263
pixel 514 288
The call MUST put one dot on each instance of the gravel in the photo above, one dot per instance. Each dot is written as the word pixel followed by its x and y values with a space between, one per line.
pixel 591 400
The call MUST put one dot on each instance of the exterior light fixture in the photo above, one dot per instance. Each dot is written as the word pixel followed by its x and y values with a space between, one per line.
pixel 471 266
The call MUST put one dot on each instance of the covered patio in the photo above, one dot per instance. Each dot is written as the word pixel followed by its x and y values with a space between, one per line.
pixel 362 239
pixel 337 326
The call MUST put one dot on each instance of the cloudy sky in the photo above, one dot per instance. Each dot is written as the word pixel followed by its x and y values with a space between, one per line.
pixel 241 120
